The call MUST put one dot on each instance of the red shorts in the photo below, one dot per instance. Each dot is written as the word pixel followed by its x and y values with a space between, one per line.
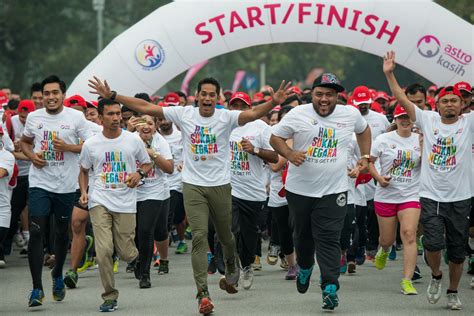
pixel 391 209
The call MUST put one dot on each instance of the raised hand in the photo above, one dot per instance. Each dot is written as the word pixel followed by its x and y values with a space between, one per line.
pixel 100 88
pixel 389 62
pixel 282 93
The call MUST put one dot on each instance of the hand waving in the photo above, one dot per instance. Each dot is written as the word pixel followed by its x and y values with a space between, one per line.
pixel 389 62
pixel 282 93
pixel 100 88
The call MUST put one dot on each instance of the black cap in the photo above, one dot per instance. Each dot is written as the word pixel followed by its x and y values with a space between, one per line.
pixel 328 80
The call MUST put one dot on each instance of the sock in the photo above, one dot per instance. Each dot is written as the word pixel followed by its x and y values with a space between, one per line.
pixel 451 291
pixel 439 277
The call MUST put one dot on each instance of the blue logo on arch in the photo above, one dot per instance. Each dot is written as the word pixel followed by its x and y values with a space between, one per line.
pixel 149 54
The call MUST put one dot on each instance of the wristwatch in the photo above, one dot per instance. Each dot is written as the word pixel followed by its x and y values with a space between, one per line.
pixel 141 173
pixel 155 155
pixel 256 150
pixel 365 157
pixel 113 95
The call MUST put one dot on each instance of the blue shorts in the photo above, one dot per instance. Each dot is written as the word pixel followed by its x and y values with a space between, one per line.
pixel 43 203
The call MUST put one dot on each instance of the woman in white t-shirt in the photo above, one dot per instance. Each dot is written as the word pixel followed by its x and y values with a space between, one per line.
pixel 397 193
pixel 7 163
pixel 153 201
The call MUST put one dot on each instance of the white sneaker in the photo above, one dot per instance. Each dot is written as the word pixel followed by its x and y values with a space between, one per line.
pixel 434 291
pixel 454 303
pixel 19 240
pixel 2 263
pixel 247 277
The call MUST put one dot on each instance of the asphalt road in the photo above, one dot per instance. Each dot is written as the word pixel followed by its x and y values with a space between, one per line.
pixel 369 292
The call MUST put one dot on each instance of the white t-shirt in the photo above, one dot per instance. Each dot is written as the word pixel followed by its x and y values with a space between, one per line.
pixel 325 140
pixel 400 158
pixel 5 140
pixel 94 128
pixel 276 184
pixel 175 140
pixel 355 195
pixel 155 185
pixel 7 162
pixel 378 125
pixel 447 157
pixel 247 173
pixel 206 148
pixel 23 165
pixel 112 160
pixel 61 170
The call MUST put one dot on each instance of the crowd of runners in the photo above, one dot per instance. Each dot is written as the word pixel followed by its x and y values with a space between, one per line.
pixel 330 176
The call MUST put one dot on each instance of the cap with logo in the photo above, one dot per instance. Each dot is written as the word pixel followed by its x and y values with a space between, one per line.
pixel 361 95
pixel 328 80
pixel 241 96
pixel 26 106
pixel 399 111
pixel 171 99
pixel 463 86
pixel 75 100
pixel 449 90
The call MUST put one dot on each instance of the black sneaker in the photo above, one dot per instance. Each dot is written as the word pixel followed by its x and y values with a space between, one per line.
pixel 164 267
pixel 130 266
pixel 145 282
pixel 136 269
pixel 70 279
pixel 303 279
pixel 417 274
pixel 360 256
pixel 108 306
pixel 212 267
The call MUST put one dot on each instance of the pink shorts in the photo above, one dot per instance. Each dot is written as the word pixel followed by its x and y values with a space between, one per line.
pixel 391 209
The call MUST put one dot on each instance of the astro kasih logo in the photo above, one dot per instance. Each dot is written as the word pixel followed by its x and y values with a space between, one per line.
pixel 149 54
pixel 448 56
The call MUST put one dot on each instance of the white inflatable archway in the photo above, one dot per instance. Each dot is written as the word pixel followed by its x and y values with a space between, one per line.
pixel 428 39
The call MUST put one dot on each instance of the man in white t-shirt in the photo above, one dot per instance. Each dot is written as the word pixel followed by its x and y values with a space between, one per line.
pixel 113 156
pixel 445 198
pixel 50 142
pixel 316 185
pixel 206 171
pixel 250 150
pixel 378 124
pixel 7 163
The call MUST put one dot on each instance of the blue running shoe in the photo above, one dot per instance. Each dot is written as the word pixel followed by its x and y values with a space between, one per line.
pixel 393 254
pixel 36 298
pixel 59 290
pixel 360 256
pixel 108 306
pixel 302 280
pixel 330 299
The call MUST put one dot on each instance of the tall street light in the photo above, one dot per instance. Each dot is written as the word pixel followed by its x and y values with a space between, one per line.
pixel 98 6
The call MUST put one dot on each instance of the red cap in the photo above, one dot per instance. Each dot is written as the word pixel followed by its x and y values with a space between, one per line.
pixel 433 88
pixel 449 90
pixel 361 95
pixel 295 90
pixel 463 86
pixel 26 105
pixel 258 97
pixel 75 100
pixel 227 93
pixel 171 99
pixel 92 104
pixel 241 96
pixel 375 106
pixel 399 111
pixel 3 98
pixel 163 104
pixel 432 102
pixel 382 95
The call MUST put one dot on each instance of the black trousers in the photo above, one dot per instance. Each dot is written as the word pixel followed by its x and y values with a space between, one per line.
pixel 244 226
pixel 285 228
pixel 318 225
pixel 372 227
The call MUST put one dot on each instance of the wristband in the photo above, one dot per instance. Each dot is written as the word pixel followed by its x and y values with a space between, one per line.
pixel 113 95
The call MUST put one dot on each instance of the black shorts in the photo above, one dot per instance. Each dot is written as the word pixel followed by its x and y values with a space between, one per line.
pixel 20 195
pixel 446 225
pixel 43 203
pixel 77 196
pixel 176 213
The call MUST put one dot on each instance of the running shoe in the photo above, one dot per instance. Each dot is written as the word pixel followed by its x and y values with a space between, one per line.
pixel 370 255
pixel 36 298
pixel 398 246
pixel 19 240
pixel 24 251
pixel 360 256
pixel 205 304
pixel 272 255
pixel 212 265
pixel 188 234
pixel 330 299
pixel 225 286
pixel 408 288
pixel 454 303
pixel 257 265
pixel 108 306
pixel 164 267
pixel 283 264
pixel 145 282
pixel 303 279
pixel 247 277
pixel 381 258
pixel 70 279
pixel 232 271
pixel 116 264
pixel 3 263
pixel 292 273
pixel 131 266
pixel 343 264
pixel 470 265
pixel 351 267
pixel 86 257
pixel 416 274
pixel 59 290
pixel 393 254
pixel 434 291
pixel 49 261
pixel 181 248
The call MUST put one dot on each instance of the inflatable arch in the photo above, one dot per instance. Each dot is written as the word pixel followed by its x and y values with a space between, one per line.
pixel 428 39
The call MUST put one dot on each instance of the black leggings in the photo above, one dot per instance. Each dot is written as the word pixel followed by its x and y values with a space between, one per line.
pixel 3 234
pixel 285 228
pixel 35 246
pixel 150 214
